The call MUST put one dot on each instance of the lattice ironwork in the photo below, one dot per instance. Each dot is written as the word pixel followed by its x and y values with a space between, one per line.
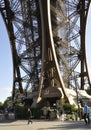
pixel 47 41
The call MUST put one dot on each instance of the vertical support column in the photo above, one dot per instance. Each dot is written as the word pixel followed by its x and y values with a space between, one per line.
pixel 82 27
pixel 16 71
pixel 48 44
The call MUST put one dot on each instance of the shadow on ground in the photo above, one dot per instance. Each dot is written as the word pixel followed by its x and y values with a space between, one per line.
pixel 69 126
pixel 10 123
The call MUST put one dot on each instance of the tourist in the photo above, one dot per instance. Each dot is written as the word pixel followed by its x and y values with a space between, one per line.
pixel 86 114
pixel 29 116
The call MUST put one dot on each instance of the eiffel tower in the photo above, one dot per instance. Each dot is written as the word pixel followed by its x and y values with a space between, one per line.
pixel 47 39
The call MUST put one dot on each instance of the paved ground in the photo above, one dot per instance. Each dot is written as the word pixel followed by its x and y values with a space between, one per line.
pixel 44 125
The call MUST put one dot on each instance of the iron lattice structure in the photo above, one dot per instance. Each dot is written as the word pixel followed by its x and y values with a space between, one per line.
pixel 47 39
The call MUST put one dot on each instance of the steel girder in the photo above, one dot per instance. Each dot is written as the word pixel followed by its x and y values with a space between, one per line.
pixel 47 41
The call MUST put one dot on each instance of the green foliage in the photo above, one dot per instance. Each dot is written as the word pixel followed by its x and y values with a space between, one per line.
pixel 5 104
pixel 71 116
pixel 89 91
pixel 69 109
pixel 1 107
pixel 37 113
pixel 1 104
pixel 20 111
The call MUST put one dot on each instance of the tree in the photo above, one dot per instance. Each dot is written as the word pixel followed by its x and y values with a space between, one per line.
pixel 1 107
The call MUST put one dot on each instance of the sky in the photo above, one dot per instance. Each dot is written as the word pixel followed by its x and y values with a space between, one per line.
pixel 6 75
pixel 5 63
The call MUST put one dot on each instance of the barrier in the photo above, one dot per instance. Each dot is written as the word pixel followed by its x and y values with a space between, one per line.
pixel 10 116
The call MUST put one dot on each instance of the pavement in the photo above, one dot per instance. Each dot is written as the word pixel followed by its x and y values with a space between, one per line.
pixel 44 125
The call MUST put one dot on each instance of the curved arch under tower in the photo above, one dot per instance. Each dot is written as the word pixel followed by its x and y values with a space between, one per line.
pixel 47 40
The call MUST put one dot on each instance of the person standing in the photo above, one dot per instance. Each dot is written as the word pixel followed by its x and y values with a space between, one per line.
pixel 86 114
pixel 29 116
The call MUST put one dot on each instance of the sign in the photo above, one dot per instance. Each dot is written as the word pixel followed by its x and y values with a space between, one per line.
pixel 51 92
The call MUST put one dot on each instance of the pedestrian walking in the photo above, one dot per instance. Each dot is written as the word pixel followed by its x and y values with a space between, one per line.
pixel 29 116
pixel 86 114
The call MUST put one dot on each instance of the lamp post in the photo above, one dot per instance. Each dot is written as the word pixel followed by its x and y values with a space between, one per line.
pixel 77 97
pixel 78 104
